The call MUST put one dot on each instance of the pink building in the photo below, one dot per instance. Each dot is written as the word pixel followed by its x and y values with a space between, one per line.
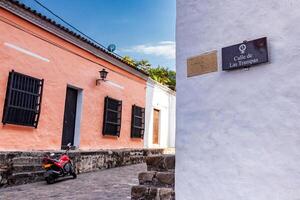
pixel 48 90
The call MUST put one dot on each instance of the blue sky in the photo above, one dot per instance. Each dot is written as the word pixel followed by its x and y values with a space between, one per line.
pixel 143 29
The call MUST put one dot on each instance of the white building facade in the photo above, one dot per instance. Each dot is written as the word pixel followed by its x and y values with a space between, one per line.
pixel 238 132
pixel 159 116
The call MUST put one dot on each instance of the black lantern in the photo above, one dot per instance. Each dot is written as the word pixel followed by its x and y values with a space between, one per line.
pixel 103 73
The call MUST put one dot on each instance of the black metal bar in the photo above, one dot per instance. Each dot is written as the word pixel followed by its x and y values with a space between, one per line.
pixel 120 118
pixel 137 113
pixel 113 123
pixel 23 108
pixel 40 102
pixel 116 123
pixel 139 117
pixel 26 92
pixel 132 120
pixel 8 96
pixel 24 75
pixel 138 127
pixel 23 100
pixel 114 111
pixel 104 116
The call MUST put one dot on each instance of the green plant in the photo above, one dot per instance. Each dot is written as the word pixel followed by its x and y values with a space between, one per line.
pixel 160 74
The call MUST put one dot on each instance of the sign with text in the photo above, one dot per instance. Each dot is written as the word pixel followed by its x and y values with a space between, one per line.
pixel 202 64
pixel 245 54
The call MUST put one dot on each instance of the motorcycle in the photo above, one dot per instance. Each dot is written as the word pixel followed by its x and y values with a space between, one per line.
pixel 60 167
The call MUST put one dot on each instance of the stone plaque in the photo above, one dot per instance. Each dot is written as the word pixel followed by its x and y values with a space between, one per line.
pixel 202 64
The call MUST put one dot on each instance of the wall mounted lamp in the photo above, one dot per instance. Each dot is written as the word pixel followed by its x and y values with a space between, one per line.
pixel 103 74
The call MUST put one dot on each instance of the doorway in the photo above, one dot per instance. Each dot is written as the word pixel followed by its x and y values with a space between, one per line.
pixel 156 120
pixel 69 117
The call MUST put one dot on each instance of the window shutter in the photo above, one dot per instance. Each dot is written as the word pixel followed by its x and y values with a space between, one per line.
pixel 112 117
pixel 23 99
pixel 137 122
pixel 143 123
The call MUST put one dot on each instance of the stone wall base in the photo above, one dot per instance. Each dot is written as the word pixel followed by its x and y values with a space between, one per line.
pixel 158 182
pixel 25 167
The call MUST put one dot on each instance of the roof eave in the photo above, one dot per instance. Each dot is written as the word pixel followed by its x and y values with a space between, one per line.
pixel 49 25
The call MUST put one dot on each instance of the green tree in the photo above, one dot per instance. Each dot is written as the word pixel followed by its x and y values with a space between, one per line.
pixel 160 74
pixel 172 79
pixel 129 61
pixel 164 76
pixel 143 65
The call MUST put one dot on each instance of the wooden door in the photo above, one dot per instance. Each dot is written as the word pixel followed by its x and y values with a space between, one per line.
pixel 155 126
pixel 69 117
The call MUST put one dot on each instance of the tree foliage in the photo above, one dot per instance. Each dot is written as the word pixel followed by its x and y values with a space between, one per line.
pixel 160 74
pixel 143 65
pixel 129 60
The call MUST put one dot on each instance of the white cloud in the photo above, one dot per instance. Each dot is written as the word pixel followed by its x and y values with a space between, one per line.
pixel 164 48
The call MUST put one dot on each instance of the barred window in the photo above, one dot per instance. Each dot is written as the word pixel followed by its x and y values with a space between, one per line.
pixel 112 117
pixel 137 122
pixel 22 104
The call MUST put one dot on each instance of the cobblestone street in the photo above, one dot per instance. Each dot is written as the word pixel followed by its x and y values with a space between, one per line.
pixel 110 184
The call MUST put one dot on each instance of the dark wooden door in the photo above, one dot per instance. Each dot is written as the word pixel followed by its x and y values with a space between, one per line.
pixel 69 117
pixel 155 126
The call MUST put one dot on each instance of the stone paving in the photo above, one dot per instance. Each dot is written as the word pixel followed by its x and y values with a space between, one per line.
pixel 109 184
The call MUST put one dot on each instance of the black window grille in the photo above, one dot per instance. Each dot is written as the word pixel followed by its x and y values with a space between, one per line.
pixel 112 117
pixel 137 122
pixel 23 99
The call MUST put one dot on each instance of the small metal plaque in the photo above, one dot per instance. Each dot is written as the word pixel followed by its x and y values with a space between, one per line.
pixel 245 54
pixel 202 64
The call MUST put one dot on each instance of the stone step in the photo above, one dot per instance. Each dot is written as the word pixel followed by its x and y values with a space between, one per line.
pixel 161 163
pixel 158 179
pixel 142 192
pixel 17 168
pixel 26 177
pixel 171 151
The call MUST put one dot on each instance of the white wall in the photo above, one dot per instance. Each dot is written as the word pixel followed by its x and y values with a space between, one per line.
pixel 238 132
pixel 162 98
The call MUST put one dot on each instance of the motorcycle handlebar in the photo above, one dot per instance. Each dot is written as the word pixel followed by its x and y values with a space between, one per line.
pixel 68 148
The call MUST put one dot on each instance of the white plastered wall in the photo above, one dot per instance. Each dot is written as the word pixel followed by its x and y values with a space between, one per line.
pixel 163 99
pixel 238 132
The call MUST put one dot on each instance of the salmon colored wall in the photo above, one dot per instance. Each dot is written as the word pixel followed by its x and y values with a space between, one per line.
pixel 64 68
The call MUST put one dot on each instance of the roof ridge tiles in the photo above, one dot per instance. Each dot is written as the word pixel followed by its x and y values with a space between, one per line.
pixel 72 33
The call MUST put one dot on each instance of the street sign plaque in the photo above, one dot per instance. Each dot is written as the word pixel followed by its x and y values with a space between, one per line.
pixel 202 64
pixel 246 54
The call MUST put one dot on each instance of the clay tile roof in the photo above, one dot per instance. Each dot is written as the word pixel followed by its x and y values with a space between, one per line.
pixel 84 39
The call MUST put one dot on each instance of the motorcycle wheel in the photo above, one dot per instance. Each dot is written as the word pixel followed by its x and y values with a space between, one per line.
pixel 74 175
pixel 50 179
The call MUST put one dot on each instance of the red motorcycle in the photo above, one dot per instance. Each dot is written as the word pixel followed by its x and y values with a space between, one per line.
pixel 58 167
